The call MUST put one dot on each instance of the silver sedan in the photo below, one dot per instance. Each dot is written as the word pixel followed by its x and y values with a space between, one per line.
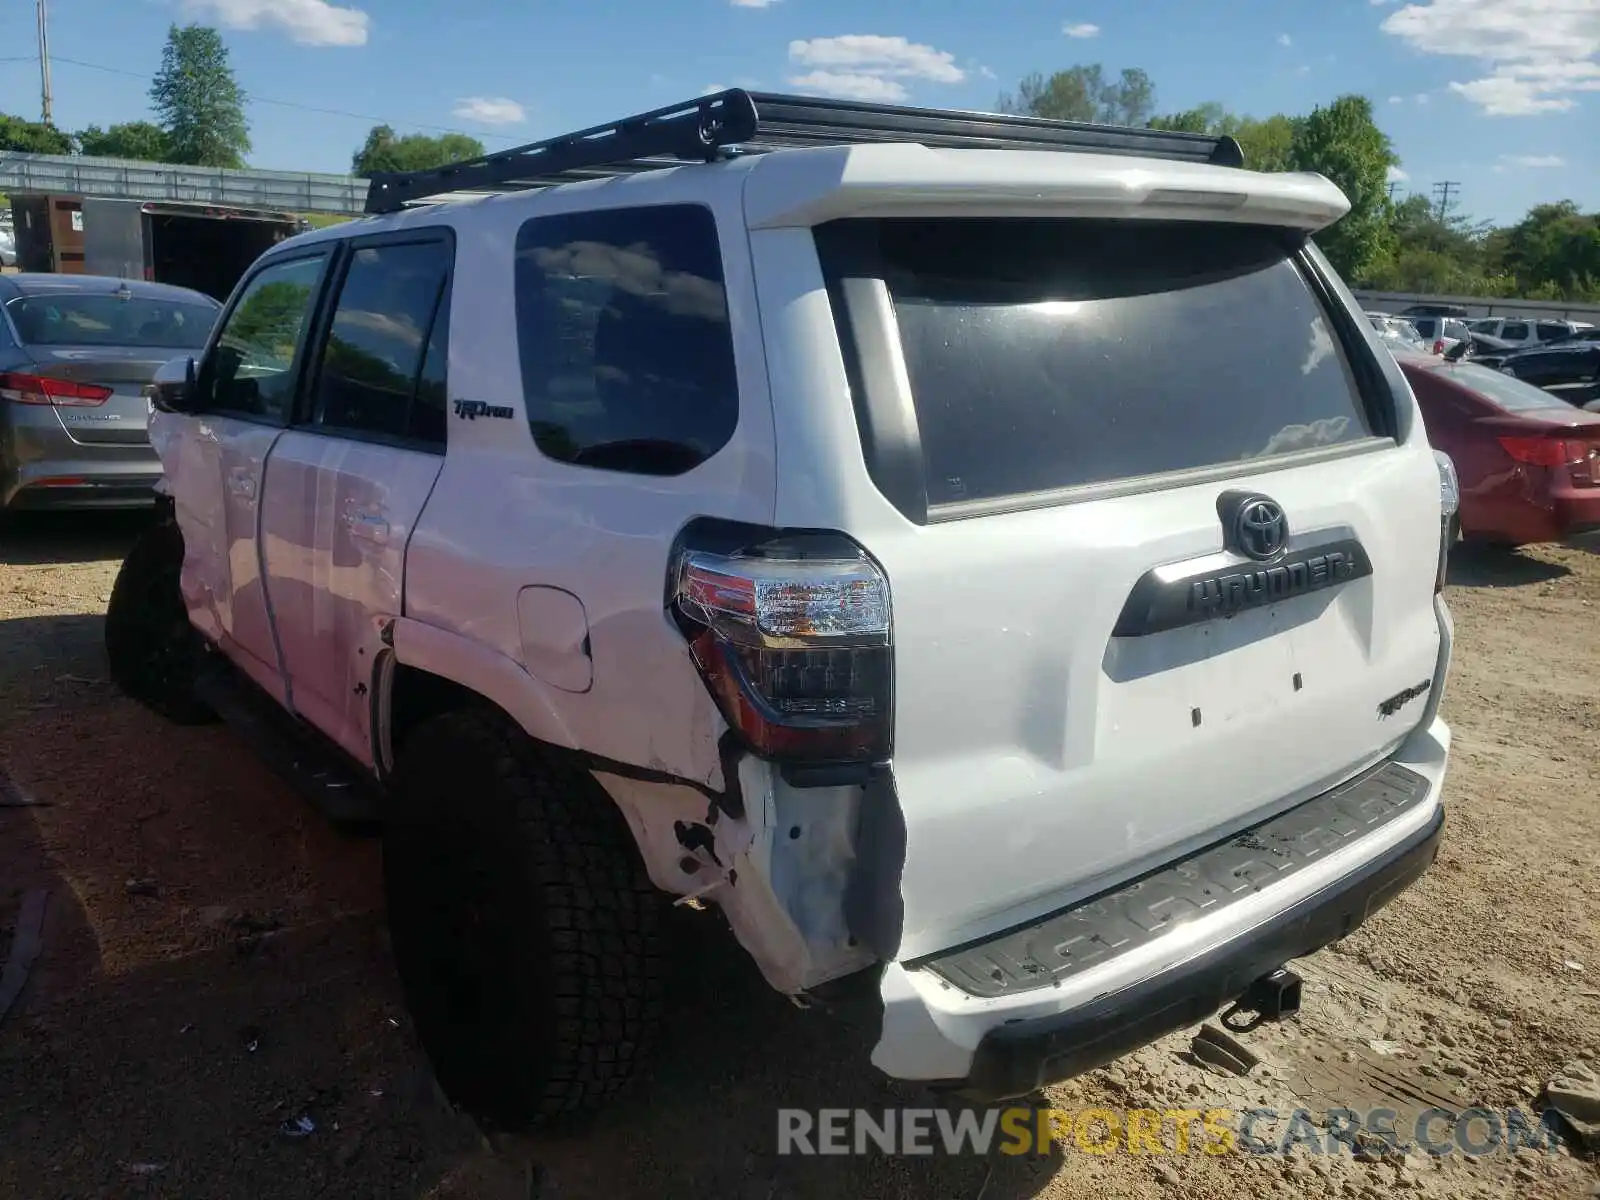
pixel 75 354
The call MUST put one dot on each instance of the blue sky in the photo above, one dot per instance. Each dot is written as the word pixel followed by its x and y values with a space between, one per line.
pixel 1502 96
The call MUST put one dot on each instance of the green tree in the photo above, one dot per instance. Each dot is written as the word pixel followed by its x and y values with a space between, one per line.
pixel 1083 93
pixel 384 150
pixel 200 103
pixel 1265 142
pixel 1209 117
pixel 1343 142
pixel 32 137
pixel 1554 249
pixel 131 139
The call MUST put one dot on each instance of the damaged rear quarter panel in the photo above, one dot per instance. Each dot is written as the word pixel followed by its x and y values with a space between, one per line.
pixel 779 871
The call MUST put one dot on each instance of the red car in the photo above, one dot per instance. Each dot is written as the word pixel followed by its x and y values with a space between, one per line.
pixel 1529 463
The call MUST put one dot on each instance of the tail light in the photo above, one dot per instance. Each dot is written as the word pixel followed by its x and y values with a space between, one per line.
pixel 1449 513
pixel 1581 458
pixel 42 389
pixel 1438 345
pixel 792 636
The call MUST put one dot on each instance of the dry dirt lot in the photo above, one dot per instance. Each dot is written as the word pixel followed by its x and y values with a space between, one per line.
pixel 214 965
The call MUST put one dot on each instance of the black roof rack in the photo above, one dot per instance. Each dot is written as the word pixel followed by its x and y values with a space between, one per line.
pixel 736 121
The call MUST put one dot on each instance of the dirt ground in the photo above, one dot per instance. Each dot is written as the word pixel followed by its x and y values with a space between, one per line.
pixel 215 967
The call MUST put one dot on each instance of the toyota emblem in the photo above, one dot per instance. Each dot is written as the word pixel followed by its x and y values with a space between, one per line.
pixel 1260 530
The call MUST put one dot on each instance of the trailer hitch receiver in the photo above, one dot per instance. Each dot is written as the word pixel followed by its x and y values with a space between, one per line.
pixel 1273 997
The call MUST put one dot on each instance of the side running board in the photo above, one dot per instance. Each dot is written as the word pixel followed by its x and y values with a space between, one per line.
pixel 315 769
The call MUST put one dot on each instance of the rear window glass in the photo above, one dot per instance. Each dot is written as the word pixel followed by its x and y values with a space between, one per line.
pixel 1505 391
pixel 1053 353
pixel 110 320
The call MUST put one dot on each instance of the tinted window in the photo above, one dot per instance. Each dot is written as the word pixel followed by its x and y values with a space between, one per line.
pixel 380 338
pixel 251 372
pixel 622 319
pixel 1548 331
pixel 1505 391
pixel 1428 327
pixel 1051 353
pixel 428 410
pixel 1514 331
pixel 66 319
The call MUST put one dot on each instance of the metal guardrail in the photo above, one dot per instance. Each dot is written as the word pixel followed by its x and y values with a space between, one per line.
pixel 294 191
pixel 1483 306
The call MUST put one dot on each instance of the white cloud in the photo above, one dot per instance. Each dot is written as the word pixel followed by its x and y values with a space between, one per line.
pixel 711 89
pixel 1397 99
pixel 1420 98
pixel 868 66
pixel 1396 175
pixel 1082 29
pixel 309 22
pixel 1538 54
pixel 851 85
pixel 753 3
pixel 1285 40
pixel 1533 162
pixel 874 54
pixel 490 110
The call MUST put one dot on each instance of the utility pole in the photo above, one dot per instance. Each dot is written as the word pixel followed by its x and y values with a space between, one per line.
pixel 1443 190
pixel 1394 186
pixel 44 62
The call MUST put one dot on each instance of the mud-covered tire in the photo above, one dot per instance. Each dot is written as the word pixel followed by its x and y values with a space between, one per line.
pixel 526 932
pixel 152 650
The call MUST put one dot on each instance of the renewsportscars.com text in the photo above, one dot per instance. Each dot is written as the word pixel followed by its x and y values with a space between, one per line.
pixel 1152 1131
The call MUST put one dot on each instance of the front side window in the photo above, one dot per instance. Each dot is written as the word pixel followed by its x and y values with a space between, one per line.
pixel 385 331
pixel 252 369
pixel 622 324
pixel 1514 331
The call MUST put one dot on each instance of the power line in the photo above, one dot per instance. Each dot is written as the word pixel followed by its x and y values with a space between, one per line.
pixel 1442 190
pixel 327 112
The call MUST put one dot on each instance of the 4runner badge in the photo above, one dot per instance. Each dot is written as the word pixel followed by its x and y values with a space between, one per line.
pixel 473 409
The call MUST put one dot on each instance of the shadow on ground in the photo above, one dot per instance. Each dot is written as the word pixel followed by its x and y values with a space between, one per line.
pixel 39 539
pixel 1473 565
pixel 199 910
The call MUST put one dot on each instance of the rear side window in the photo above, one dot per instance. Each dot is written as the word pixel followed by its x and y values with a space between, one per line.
pixel 622 323
pixel 1514 331
pixel 1549 331
pixel 1046 354
pixel 382 365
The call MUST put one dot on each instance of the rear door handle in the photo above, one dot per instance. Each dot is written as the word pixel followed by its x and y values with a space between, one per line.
pixel 369 527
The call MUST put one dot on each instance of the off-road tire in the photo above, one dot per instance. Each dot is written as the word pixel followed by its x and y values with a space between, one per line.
pixel 153 651
pixel 525 929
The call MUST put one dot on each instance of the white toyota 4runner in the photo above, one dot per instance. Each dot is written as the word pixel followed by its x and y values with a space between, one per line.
pixel 993 554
